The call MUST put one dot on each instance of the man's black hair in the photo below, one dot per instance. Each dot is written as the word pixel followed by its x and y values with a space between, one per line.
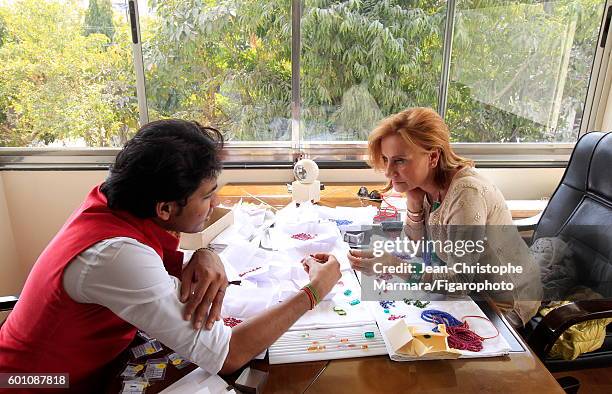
pixel 167 160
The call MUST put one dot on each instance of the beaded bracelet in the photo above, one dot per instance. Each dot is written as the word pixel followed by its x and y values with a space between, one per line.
pixel 310 297
pixel 314 293
pixel 310 290
pixel 207 247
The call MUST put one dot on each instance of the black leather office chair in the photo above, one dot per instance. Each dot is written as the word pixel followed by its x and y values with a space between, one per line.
pixel 580 212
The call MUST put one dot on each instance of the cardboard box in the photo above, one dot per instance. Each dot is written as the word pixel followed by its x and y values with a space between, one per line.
pixel 220 219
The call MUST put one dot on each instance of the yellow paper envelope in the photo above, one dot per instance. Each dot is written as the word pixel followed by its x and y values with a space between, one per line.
pixel 415 342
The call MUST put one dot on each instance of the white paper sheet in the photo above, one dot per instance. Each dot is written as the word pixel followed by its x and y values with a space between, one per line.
pixel 306 212
pixel 459 308
pixel 240 255
pixel 242 302
pixel 198 381
pixel 324 235
pixel 349 218
pixel 327 344
pixel 249 222
pixel 324 316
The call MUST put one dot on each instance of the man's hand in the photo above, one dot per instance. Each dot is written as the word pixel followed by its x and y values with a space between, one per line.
pixel 203 288
pixel 324 272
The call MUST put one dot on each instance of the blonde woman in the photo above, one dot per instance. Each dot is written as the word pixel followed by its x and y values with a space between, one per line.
pixel 447 199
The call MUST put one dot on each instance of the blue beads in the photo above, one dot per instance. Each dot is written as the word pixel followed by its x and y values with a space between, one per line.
pixel 440 317
pixel 387 304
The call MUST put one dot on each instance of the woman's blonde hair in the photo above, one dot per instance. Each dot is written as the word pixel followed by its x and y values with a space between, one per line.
pixel 421 127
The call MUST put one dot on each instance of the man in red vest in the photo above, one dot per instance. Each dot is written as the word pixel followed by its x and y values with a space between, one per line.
pixel 114 267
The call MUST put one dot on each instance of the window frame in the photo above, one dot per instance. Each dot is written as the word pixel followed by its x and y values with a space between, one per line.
pixel 261 155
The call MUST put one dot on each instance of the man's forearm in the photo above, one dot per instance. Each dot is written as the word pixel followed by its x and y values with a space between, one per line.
pixel 254 335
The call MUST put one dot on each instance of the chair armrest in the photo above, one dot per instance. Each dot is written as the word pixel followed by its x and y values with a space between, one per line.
pixel 560 319
pixel 526 224
pixel 8 302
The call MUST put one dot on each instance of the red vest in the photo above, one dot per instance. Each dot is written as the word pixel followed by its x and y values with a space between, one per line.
pixel 48 331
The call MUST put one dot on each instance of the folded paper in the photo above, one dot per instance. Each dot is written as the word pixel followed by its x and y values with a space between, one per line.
pixel 414 341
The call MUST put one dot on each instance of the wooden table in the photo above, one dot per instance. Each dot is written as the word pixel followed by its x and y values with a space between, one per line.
pixel 519 372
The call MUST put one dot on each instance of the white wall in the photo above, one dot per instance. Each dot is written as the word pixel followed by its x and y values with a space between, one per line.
pixel 38 204
pixel 35 204
pixel 12 273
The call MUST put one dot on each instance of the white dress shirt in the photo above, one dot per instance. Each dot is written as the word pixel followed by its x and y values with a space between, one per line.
pixel 129 278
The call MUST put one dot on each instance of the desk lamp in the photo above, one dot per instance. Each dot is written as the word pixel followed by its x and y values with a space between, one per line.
pixel 306 187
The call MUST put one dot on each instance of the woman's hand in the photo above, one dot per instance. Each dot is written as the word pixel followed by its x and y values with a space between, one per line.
pixel 364 261
pixel 414 199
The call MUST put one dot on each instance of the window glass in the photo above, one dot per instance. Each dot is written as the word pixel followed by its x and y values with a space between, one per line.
pixel 66 74
pixel 364 60
pixel 520 69
pixel 222 63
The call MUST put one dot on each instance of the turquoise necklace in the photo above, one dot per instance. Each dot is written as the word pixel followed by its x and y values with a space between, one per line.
pixel 436 204
pixel 430 257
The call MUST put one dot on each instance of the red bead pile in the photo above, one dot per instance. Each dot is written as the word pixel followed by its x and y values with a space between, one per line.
pixel 246 272
pixel 302 236
pixel 385 277
pixel 231 321
pixel 462 338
